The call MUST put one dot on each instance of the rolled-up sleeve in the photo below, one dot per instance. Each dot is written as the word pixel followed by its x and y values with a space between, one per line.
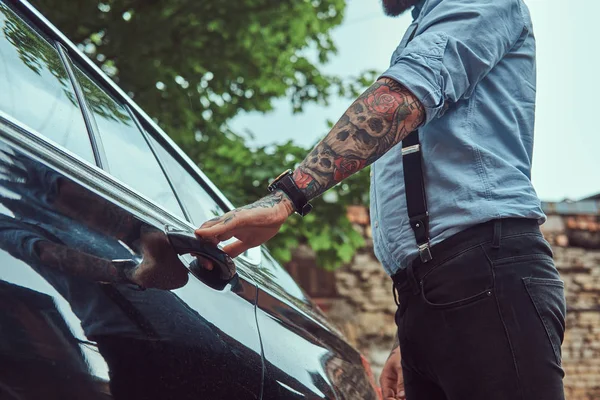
pixel 456 43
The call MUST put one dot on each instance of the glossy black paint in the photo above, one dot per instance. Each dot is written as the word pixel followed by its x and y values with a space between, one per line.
pixel 65 323
pixel 66 331
pixel 304 355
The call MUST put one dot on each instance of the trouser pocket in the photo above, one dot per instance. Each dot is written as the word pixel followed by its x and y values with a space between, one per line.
pixel 548 299
pixel 464 279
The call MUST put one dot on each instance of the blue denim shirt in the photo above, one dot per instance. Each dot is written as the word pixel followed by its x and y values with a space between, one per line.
pixel 472 66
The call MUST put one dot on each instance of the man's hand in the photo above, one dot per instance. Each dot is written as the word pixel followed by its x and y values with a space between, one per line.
pixel 252 225
pixel 391 381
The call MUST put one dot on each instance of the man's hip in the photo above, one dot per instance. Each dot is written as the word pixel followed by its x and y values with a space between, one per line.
pixel 484 319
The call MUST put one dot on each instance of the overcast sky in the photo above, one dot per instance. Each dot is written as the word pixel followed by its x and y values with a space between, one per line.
pixel 567 147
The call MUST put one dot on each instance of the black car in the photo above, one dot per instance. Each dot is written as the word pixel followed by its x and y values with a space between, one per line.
pixel 89 185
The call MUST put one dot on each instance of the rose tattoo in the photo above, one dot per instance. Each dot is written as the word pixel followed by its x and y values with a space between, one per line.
pixel 384 102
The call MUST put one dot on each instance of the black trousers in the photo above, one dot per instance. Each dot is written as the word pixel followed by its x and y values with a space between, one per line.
pixel 485 319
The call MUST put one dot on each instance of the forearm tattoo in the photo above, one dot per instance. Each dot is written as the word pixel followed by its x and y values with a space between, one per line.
pixel 379 119
pixel 269 201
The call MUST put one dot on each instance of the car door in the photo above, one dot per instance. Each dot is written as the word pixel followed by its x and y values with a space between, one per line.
pixel 70 327
pixel 305 356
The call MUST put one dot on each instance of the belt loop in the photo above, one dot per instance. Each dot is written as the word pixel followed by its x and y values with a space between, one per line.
pixel 497 234
pixel 412 279
pixel 394 291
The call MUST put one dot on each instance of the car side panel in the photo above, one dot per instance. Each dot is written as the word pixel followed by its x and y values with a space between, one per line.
pixel 66 332
pixel 304 356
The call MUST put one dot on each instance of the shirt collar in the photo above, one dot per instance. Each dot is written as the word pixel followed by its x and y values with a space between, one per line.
pixel 417 9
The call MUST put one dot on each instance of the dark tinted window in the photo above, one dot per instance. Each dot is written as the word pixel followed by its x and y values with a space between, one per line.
pixel 128 154
pixel 35 88
pixel 198 203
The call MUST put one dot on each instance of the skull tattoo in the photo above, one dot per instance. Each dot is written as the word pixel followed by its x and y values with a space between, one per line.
pixel 321 159
pixel 360 132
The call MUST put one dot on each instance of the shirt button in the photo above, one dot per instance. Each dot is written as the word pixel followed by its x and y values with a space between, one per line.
pixel 376 224
pixel 371 173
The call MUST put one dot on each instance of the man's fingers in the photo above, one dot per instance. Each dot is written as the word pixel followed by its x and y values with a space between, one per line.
pixel 236 248
pixel 213 231
pixel 226 236
pixel 212 240
pixel 211 222
pixel 388 384
pixel 400 393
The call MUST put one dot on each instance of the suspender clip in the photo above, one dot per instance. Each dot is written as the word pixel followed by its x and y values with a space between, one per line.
pixel 425 252
pixel 420 226
pixel 411 149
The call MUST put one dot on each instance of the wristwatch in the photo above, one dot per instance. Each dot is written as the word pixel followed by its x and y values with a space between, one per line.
pixel 286 184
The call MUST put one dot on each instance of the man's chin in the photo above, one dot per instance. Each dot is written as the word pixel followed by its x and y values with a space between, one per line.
pixel 393 8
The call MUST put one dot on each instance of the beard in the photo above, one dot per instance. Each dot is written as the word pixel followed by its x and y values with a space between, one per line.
pixel 393 8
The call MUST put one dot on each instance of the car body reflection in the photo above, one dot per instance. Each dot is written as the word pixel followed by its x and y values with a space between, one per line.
pixel 303 355
pixel 154 344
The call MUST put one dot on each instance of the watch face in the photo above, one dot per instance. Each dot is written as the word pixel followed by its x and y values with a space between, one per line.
pixel 284 173
pixel 272 187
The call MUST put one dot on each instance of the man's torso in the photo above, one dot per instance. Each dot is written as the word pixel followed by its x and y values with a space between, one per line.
pixel 477 156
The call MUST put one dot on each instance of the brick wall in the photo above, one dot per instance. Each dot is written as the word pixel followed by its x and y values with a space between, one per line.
pixel 580 269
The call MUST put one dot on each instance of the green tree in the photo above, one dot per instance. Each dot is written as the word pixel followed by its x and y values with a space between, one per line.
pixel 194 65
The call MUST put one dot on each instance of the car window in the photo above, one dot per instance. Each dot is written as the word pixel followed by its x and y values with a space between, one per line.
pixel 35 88
pixel 128 155
pixel 197 202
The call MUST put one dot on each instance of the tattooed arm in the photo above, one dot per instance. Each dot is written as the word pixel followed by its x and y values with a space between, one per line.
pixel 378 120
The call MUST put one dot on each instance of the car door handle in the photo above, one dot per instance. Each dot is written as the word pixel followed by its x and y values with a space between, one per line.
pixel 184 242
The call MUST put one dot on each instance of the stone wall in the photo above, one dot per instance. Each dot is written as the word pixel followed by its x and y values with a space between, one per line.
pixel 364 308
pixel 580 269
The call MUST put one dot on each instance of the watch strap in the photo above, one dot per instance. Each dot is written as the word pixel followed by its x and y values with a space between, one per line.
pixel 286 184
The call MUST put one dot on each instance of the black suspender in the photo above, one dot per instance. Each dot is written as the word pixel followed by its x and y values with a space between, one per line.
pixel 414 186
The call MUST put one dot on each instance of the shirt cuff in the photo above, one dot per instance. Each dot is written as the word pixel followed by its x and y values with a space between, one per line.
pixel 420 75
